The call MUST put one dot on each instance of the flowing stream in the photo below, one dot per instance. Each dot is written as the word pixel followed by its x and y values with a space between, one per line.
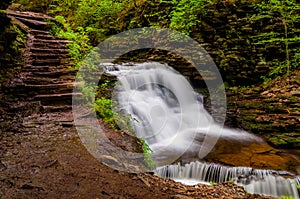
pixel 170 117
pixel 267 182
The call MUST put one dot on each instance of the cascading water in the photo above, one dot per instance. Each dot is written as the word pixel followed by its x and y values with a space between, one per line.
pixel 167 112
pixel 170 117
pixel 268 182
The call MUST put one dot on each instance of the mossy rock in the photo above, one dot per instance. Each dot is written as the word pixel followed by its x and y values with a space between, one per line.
pixel 288 140
pixel 106 86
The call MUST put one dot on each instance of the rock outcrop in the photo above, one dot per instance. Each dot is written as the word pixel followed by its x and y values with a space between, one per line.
pixel 271 111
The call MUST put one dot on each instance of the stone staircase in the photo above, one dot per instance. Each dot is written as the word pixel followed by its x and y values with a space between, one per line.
pixel 47 76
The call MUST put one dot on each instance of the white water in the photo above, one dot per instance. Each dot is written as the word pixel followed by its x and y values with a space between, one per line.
pixel 170 117
pixel 167 112
pixel 267 182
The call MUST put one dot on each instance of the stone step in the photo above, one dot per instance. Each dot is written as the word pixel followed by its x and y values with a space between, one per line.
pixel 45 80
pixel 56 99
pixel 49 51
pixel 35 89
pixel 20 24
pixel 29 15
pixel 51 41
pixel 40 32
pixel 48 62
pixel 45 36
pixel 31 23
pixel 54 74
pixel 51 86
pixel 51 109
pixel 48 55
pixel 26 91
pixel 49 45
pixel 46 68
pixel 59 77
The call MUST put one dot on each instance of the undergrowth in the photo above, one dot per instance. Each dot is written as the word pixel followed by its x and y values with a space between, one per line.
pixel 284 16
pixel 79 47
pixel 105 109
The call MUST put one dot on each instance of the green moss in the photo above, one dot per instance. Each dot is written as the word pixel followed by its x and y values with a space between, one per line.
pixel 12 50
pixel 293 99
pixel 18 45
pixel 284 140
pixel 277 141
pixel 159 58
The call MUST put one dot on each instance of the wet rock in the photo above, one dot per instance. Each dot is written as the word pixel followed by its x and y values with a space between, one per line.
pixel 257 155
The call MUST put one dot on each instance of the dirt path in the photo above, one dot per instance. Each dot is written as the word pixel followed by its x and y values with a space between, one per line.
pixel 41 155
pixel 47 160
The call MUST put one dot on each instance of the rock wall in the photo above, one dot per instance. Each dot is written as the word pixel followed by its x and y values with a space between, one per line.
pixel 228 33
pixel 228 30
pixel 7 37
pixel 272 111
pixel 12 45
pixel 4 4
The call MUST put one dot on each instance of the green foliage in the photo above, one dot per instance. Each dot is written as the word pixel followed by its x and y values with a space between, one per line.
pixel 11 50
pixel 88 93
pixel 116 121
pixel 35 5
pixel 212 183
pixel 286 197
pixel 119 121
pixel 18 45
pixel 98 17
pixel 147 154
pixel 79 47
pixel 186 14
pixel 284 14
pixel 103 108
pixel 230 180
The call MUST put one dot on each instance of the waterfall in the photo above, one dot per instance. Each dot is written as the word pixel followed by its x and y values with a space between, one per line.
pixel 169 115
pixel 267 182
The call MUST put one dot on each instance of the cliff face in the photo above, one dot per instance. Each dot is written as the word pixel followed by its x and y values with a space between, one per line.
pixel 6 36
pixel 4 4
pixel 245 43
pixel 12 43
pixel 271 111
pixel 242 39
pixel 6 39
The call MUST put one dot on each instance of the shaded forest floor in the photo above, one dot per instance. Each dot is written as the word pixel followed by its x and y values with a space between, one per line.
pixel 45 159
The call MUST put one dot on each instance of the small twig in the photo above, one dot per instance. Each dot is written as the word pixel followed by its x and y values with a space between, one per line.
pixel 144 181
pixel 51 164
